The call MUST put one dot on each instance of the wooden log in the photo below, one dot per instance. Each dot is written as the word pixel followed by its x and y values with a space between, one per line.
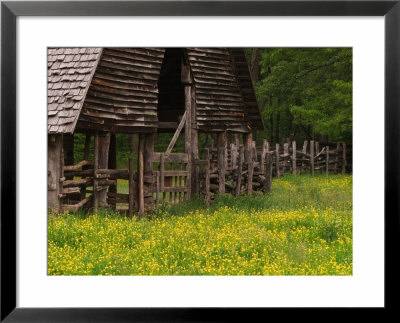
pixel 140 175
pixel 54 172
pixel 222 144
pixel 344 164
pixel 162 176
pixel 95 170
pixel 247 143
pixel 86 152
pixel 268 173
pixel 104 147
pixel 263 155
pixel 158 190
pixel 234 155
pixel 277 160
pixel 327 160
pixel 286 149
pixel 148 178
pixel 76 207
pixel 112 162
pixel 337 158
pixel 294 157
pixel 312 156
pixel 188 137
pixel 250 170
pixel 77 182
pixel 316 148
pixel 131 198
pixel 171 158
pixel 239 172
pixel 77 166
pixel 207 175
pixel 304 152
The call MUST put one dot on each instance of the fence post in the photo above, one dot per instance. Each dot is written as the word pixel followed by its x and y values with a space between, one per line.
pixel 207 184
pixel 304 151
pixel 239 172
pixel 95 172
pixel 312 156
pixel 316 148
pixel 327 160
pixel 263 153
pixel 277 160
pixel 268 173
pixel 294 157
pixel 140 175
pixel 337 158
pixel 131 189
pixel 344 158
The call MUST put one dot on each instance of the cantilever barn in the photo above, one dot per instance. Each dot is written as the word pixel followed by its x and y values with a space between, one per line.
pixel 104 91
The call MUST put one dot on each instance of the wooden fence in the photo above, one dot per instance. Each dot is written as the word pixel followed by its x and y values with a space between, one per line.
pixel 85 184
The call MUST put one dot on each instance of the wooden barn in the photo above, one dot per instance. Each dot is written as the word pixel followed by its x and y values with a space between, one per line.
pixel 104 91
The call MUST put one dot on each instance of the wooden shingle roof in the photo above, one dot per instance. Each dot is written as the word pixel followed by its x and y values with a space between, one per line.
pixel 70 71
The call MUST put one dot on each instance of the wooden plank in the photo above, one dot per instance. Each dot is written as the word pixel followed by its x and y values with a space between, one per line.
pixel 171 158
pixel 131 198
pixel 294 159
pixel 312 156
pixel 140 175
pixel 176 134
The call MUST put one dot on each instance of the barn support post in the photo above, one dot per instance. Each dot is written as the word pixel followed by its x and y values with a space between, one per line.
pixel 131 198
pixel 95 172
pixel 112 162
pixel 207 176
pixel 148 170
pixel 103 150
pixel 86 151
pixel 188 138
pixel 140 181
pixel 54 164
pixel 194 142
pixel 221 157
pixel 248 158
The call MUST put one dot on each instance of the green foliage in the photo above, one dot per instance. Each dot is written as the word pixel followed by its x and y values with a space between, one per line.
pixel 306 93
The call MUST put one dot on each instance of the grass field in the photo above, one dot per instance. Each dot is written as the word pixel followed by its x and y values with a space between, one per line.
pixel 303 227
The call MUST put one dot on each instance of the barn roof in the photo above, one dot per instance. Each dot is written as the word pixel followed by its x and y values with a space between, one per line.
pixel 116 89
pixel 70 71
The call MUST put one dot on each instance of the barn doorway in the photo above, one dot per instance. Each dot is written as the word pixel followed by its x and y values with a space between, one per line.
pixel 171 96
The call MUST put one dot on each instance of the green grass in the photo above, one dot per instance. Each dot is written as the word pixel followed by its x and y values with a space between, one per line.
pixel 303 227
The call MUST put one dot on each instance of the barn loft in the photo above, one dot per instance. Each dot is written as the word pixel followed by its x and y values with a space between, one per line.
pixel 145 91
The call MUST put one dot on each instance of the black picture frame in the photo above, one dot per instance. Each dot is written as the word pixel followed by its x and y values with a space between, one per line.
pixel 10 10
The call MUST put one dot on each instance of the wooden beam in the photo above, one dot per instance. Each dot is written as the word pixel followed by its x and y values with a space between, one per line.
pixel 239 172
pixel 140 175
pixel 188 137
pixel 131 197
pixel 176 134
pixel 103 149
pixel 54 171
pixel 221 157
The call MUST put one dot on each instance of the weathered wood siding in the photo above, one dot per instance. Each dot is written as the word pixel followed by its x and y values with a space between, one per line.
pixel 123 94
pixel 243 76
pixel 219 103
